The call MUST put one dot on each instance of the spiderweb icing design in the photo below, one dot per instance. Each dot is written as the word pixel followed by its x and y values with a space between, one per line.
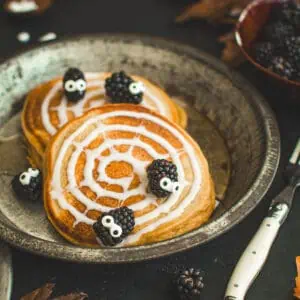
pixel 97 94
pixel 95 159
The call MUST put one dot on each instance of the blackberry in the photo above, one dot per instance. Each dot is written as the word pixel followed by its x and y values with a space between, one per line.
pixel 282 67
pixel 112 227
pixel 277 32
pixel 121 88
pixel 296 76
pixel 279 11
pixel 264 53
pixel 28 185
pixel 162 178
pixel 189 284
pixel 288 12
pixel 292 50
pixel 291 13
pixel 74 84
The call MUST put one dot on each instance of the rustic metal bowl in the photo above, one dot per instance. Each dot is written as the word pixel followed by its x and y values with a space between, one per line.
pixel 227 116
pixel 248 28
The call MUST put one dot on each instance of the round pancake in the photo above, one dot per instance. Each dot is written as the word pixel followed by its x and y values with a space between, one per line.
pixel 46 109
pixel 98 162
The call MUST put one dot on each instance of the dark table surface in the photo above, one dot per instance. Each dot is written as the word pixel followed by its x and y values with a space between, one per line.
pixel 152 280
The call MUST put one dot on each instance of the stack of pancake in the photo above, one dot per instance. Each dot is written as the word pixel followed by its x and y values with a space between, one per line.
pixel 95 151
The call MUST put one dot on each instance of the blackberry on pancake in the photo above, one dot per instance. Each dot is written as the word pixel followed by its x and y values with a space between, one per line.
pixel 163 178
pixel 121 88
pixel 112 227
pixel 74 84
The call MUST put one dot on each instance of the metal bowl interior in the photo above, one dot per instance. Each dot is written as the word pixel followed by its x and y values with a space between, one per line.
pixel 243 126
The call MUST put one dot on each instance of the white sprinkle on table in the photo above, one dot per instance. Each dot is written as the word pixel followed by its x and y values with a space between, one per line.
pixel 50 36
pixel 23 37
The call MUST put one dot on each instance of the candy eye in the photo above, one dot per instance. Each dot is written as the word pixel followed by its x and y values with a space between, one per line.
pixel 70 86
pixel 107 221
pixel 176 187
pixel 81 85
pixel 166 184
pixel 25 178
pixel 136 88
pixel 33 172
pixel 116 231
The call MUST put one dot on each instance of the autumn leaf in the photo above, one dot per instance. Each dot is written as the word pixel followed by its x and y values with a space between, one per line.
pixel 42 293
pixel 73 296
pixel 45 292
pixel 211 10
pixel 219 11
pixel 297 279
pixel 231 53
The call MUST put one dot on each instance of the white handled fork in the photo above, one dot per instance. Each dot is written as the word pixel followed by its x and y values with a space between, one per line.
pixel 255 255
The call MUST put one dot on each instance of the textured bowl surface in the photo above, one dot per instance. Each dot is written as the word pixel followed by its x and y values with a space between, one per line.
pixel 5 272
pixel 232 123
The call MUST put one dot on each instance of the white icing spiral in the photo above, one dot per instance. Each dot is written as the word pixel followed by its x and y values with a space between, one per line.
pixel 78 109
pixel 139 168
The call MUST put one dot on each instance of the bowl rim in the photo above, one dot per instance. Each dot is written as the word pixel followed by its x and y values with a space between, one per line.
pixel 202 235
pixel 239 40
pixel 6 271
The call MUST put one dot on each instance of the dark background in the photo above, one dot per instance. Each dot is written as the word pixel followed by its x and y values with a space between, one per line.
pixel 152 280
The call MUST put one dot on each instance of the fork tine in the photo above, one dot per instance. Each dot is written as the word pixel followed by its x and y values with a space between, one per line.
pixel 295 155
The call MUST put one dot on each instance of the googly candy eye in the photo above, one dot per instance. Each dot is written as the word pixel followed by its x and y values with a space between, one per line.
pixel 70 86
pixel 33 172
pixel 136 88
pixel 175 187
pixel 115 231
pixel 118 231
pixel 25 178
pixel 81 85
pixel 166 184
pixel 141 87
pixel 107 221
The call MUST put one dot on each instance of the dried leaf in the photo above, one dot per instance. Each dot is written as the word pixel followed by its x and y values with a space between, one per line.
pixel 234 12
pixel 231 54
pixel 73 296
pixel 211 10
pixel 221 11
pixel 297 279
pixel 42 293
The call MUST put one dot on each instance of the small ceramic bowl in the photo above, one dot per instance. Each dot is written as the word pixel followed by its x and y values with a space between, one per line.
pixel 249 26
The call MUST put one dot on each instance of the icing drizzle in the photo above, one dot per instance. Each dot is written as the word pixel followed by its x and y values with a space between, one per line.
pixel 153 218
pixel 78 109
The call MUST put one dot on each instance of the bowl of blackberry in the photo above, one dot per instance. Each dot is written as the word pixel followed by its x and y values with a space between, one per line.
pixel 268 33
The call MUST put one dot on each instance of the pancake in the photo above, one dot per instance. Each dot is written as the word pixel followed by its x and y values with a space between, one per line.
pixel 46 109
pixel 99 162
